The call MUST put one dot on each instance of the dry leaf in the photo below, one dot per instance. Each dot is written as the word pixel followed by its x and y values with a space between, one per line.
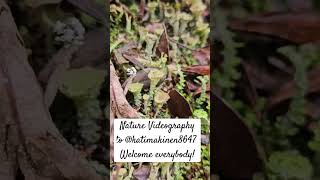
pixel 202 55
pixel 119 103
pixel 92 8
pixel 233 143
pixel 37 3
pixel 163 46
pixel 197 69
pixel 178 106
pixel 142 173
pixel 42 151
pixel 93 52
pixel 296 27
pixel 288 90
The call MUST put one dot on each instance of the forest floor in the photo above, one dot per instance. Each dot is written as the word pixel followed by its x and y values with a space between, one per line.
pixel 160 59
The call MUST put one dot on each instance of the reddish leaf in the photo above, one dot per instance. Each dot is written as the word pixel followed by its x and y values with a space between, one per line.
pixel 287 90
pixel 30 141
pixel 312 110
pixel 197 69
pixel 248 89
pixel 133 59
pixel 142 173
pixel 202 55
pixel 93 51
pixel 142 8
pixel 178 105
pixel 294 26
pixel 37 3
pixel 163 46
pixel 233 143
pixel 199 90
pixel 298 5
pixel 119 104
pixel 264 79
pixel 192 86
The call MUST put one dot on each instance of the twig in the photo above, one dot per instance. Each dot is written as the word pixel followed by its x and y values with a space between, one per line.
pixel 182 45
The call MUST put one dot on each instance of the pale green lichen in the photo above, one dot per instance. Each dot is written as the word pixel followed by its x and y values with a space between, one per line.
pixel 155 76
pixel 160 99
pixel 83 86
pixel 185 18
pixel 289 165
pixel 151 39
pixel 78 82
pixel 135 89
pixel 152 6
pixel 146 98
pixel 197 8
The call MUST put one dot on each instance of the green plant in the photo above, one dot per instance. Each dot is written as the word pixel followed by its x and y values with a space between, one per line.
pixel 203 96
pixel 155 76
pixel 314 144
pixel 204 117
pixel 289 165
pixel 296 111
pixel 182 82
pixel 226 79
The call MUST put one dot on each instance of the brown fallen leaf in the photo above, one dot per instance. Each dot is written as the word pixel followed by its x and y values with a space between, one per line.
pixel 197 69
pixel 262 78
pixel 298 5
pixel 297 27
pixel 92 8
pixel 126 48
pixel 199 90
pixel 163 46
pixel 60 62
pixel 9 165
pixel 141 173
pixel 61 58
pixel 192 86
pixel 125 85
pixel 236 155
pixel 119 104
pixel 288 90
pixel 247 88
pixel 133 59
pixel 312 110
pixel 40 151
pixel 37 3
pixel 93 51
pixel 118 57
pixel 178 106
pixel 111 123
pixel 142 8
pixel 142 77
pixel 202 55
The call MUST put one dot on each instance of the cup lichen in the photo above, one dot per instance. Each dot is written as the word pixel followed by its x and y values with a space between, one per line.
pixel 155 76
pixel 160 99
pixel 135 89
